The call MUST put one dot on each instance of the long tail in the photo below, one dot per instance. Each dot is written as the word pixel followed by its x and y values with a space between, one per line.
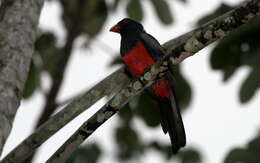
pixel 171 120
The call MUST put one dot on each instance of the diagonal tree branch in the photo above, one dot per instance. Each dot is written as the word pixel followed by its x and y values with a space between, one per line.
pixel 200 38
pixel 59 120
pixel 18 28
pixel 177 50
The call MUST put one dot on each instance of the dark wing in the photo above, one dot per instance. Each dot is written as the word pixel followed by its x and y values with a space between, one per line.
pixel 171 120
pixel 177 123
pixel 156 52
pixel 152 45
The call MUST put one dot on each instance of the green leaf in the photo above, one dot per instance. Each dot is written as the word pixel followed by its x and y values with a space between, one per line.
pixel 238 155
pixel 253 58
pixel 45 40
pixel 86 154
pixel 243 156
pixel 183 88
pixel 148 110
pixel 32 82
pixel 84 17
pixel 250 86
pixel 93 17
pixel 134 10
pixel 229 71
pixel 190 156
pixel 249 154
pixel 126 114
pixel 163 11
pixel 128 143
pixel 166 150
pixel 45 45
pixel 254 145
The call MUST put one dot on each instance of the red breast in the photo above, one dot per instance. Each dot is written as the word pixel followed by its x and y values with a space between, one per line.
pixel 138 59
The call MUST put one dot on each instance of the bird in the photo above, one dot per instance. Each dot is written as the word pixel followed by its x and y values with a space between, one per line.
pixel 139 51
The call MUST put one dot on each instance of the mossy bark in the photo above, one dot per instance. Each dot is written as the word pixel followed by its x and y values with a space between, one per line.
pixel 18 28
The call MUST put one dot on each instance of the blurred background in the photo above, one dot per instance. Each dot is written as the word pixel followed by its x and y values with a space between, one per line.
pixel 217 88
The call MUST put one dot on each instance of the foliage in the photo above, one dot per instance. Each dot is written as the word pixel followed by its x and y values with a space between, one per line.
pixel 130 146
pixel 87 154
pixel 239 49
pixel 48 52
pixel 190 156
pixel 248 154
pixel 134 10
pixel 84 16
pixel 162 10
pixel 32 82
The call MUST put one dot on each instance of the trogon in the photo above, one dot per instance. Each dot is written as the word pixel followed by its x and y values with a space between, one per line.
pixel 139 51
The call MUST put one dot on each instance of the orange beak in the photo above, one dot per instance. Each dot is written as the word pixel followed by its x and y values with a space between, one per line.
pixel 115 28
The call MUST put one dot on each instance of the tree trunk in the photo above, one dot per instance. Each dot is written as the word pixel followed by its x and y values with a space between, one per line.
pixel 18 28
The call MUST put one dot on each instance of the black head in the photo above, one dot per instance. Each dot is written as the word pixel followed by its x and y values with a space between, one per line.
pixel 127 25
